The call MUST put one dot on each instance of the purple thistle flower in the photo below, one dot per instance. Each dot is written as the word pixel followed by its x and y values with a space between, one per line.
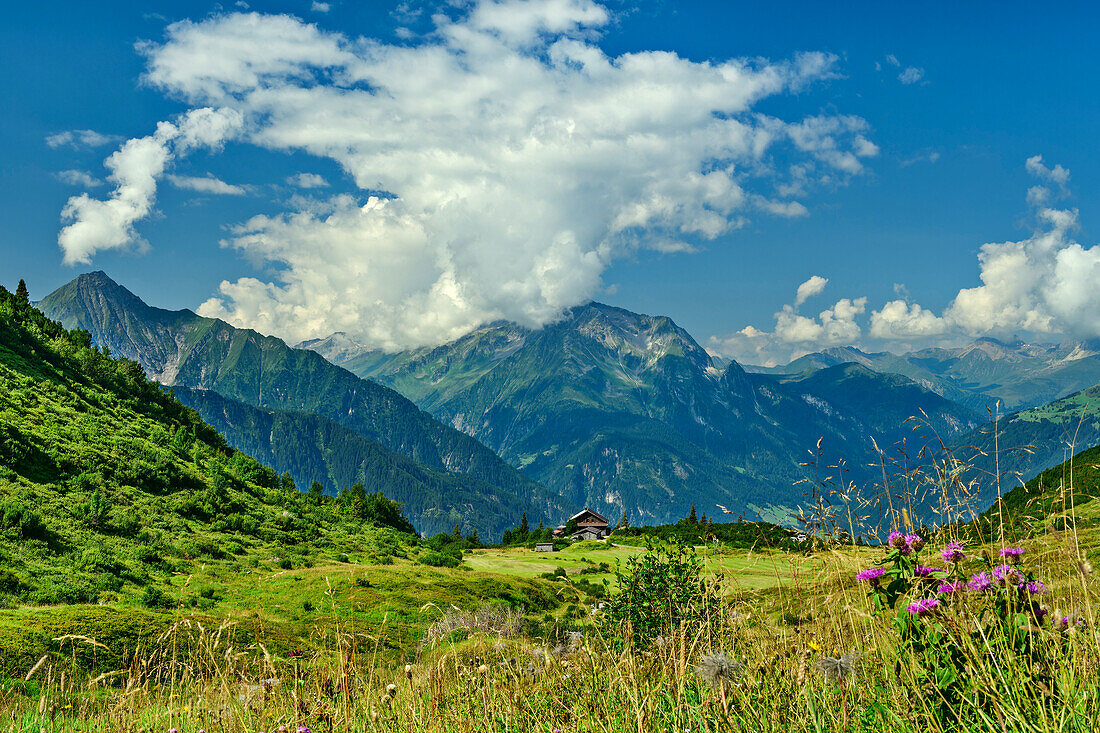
pixel 915 542
pixel 1036 587
pixel 303 729
pixel 924 571
pixel 871 575
pixel 1040 612
pixel 949 587
pixel 1011 554
pixel 924 606
pixel 953 552
pixel 1007 574
pixel 981 581
pixel 896 540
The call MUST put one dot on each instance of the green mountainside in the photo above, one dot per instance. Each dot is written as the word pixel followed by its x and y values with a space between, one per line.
pixel 314 448
pixel 180 348
pixel 109 486
pixel 978 374
pixel 621 411
pixel 1030 441
pixel 881 405
pixel 1027 508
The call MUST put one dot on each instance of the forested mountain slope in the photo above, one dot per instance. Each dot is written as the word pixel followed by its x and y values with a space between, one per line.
pixel 182 348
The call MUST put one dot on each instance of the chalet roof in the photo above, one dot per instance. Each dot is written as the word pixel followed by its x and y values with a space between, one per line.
pixel 586 510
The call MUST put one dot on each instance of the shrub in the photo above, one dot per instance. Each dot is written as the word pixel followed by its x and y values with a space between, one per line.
pixel 25 521
pixel 439 560
pixel 10 582
pixel 154 597
pixel 658 591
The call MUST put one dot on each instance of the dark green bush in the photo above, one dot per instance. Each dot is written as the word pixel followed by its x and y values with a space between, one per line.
pixel 658 591
pixel 154 597
pixel 440 560
pixel 26 522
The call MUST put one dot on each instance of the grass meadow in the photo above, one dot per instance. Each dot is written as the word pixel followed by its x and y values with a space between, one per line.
pixel 758 659
pixel 993 633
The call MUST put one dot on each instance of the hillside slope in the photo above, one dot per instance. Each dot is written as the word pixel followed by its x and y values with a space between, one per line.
pixel 1027 508
pixel 881 405
pixel 184 349
pixel 108 485
pixel 313 448
pixel 1031 441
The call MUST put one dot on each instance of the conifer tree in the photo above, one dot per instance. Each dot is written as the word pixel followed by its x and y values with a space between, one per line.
pixel 524 527
pixel 692 518
pixel 22 293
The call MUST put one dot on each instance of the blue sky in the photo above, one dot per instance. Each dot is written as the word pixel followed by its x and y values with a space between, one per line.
pixel 932 169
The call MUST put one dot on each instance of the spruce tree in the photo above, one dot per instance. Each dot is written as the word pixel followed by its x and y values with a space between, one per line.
pixel 524 527
pixel 692 518
pixel 22 293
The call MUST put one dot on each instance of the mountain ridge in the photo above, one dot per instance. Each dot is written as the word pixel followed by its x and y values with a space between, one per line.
pixel 182 348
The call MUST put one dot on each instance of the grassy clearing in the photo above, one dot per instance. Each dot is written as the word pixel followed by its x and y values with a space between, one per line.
pixel 757 570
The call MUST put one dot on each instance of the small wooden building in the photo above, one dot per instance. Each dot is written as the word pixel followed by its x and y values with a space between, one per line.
pixel 591 525
pixel 544 547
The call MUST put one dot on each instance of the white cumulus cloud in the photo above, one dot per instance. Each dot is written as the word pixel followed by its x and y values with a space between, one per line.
pixel 206 184
pixel 814 286
pixel 518 158
pixel 795 334
pixel 899 319
pixel 97 225
pixel 307 180
pixel 74 177
pixel 1046 285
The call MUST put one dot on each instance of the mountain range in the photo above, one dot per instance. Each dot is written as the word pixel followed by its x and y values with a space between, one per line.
pixel 309 417
pixel 619 410
pixel 979 374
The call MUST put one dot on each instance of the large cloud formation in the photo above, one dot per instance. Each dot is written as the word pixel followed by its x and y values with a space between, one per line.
pixel 503 162
pixel 1044 286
